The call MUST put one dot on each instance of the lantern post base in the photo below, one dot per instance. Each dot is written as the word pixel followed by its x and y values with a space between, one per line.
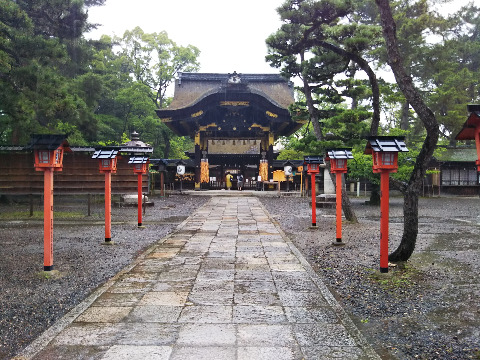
pixel 108 241
pixel 338 242
pixel 384 270
pixel 48 268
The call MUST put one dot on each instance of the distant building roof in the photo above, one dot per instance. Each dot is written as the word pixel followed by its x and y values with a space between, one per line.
pixel 457 154
pixel 470 126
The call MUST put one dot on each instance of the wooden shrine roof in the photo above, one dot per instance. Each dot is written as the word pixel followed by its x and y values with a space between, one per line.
pixel 468 130
pixel 190 88
pixel 203 99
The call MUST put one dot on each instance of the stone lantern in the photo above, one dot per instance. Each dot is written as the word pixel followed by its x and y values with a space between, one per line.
pixel 338 166
pixel 107 161
pixel 48 150
pixel 313 168
pixel 384 151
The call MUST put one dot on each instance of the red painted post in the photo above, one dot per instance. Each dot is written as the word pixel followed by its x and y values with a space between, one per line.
pixel 384 218
pixel 338 185
pixel 108 206
pixel 314 203
pixel 48 219
pixel 139 199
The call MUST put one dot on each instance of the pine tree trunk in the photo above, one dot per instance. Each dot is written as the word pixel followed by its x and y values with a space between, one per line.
pixel 404 123
pixel 311 108
pixel 410 228
pixel 347 207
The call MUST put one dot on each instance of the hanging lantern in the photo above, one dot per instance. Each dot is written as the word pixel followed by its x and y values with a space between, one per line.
pixel 288 168
pixel 204 171
pixel 263 169
pixel 180 168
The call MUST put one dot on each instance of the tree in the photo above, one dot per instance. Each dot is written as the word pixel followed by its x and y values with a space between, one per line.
pixel 155 60
pixel 136 71
pixel 316 43
pixel 325 27
pixel 40 44
pixel 405 82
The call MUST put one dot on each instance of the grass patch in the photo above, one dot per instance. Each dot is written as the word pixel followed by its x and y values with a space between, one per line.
pixel 50 275
pixel 401 277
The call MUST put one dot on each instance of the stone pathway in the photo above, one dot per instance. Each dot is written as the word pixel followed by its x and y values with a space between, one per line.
pixel 227 284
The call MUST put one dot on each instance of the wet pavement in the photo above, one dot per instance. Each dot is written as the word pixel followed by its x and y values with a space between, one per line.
pixel 227 284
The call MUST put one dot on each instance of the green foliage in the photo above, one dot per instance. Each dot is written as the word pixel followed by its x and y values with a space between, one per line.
pixel 154 60
pixel 53 80
pixel 447 71
pixel 291 154
pixel 179 145
pixel 361 167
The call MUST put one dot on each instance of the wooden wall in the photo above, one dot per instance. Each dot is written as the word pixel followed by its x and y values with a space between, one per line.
pixel 80 175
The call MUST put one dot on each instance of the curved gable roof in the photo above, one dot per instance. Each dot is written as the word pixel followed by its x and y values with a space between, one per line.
pixel 202 98
pixel 190 88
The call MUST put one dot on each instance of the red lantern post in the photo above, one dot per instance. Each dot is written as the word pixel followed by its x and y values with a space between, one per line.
pixel 48 151
pixel 107 165
pixel 140 167
pixel 384 150
pixel 338 166
pixel 313 168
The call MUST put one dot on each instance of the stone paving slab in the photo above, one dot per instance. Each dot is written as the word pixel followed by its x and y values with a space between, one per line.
pixel 227 284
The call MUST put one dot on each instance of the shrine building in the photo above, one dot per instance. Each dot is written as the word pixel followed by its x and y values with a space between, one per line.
pixel 234 119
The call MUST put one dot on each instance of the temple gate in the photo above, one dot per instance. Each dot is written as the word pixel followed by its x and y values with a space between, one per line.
pixel 234 120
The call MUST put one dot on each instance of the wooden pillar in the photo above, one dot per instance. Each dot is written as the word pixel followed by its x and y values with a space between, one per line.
pixel 198 158
pixel 384 219
pixel 338 180
pixel 162 183
pixel 314 202
pixel 89 205
pixel 271 141
pixel 108 207
pixel 48 219
pixel 139 200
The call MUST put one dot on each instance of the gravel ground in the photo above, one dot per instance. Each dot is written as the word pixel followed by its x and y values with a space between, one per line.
pixel 425 309
pixel 30 303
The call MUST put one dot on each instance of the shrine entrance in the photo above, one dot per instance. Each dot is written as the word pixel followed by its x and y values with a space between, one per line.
pixel 234 120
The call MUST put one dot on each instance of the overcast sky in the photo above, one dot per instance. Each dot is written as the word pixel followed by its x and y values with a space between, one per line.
pixel 229 33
